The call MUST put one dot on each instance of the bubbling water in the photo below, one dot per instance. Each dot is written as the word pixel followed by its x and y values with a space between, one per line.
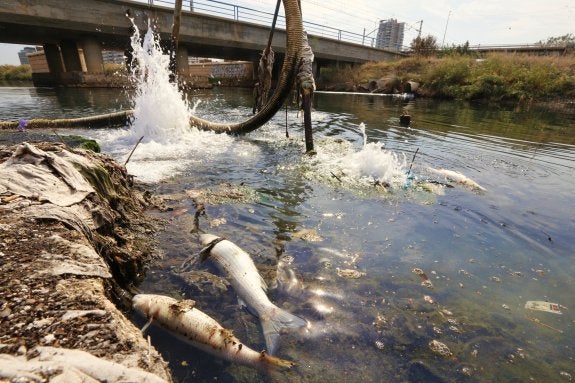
pixel 161 116
pixel 161 112
pixel 369 166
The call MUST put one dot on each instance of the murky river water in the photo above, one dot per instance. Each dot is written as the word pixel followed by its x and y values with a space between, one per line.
pixel 307 221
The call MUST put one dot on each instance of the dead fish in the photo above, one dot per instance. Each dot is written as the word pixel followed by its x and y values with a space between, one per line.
pixel 240 270
pixel 202 331
pixel 458 177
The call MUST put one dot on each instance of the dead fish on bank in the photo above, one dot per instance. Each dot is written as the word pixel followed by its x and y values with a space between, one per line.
pixel 458 178
pixel 202 331
pixel 250 287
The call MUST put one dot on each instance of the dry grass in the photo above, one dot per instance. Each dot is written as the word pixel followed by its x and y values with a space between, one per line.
pixel 495 77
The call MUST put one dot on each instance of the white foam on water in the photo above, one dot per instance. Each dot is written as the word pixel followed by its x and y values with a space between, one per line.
pixel 360 168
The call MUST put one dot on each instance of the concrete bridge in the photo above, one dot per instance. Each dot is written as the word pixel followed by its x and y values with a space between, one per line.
pixel 70 30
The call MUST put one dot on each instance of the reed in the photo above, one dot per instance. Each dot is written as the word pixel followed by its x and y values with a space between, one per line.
pixel 494 77
pixel 15 73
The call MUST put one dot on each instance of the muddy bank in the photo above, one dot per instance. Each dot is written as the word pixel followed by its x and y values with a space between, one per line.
pixel 73 241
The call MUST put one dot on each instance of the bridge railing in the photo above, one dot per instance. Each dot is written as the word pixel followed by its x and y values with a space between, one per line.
pixel 250 15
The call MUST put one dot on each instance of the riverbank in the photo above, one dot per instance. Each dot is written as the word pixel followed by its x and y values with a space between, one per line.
pixel 493 78
pixel 73 242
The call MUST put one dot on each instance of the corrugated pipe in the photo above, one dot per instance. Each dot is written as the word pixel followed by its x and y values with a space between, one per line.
pixel 294 33
pixel 103 120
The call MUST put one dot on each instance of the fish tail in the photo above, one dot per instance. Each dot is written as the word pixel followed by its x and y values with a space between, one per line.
pixel 276 320
pixel 274 361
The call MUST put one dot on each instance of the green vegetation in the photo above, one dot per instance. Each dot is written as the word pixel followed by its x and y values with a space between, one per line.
pixel 495 77
pixel 15 73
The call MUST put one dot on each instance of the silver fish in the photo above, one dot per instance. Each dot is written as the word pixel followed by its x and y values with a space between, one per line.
pixel 202 331
pixel 240 270
pixel 458 177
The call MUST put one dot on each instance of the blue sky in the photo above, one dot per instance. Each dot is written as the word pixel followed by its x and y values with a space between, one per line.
pixel 485 22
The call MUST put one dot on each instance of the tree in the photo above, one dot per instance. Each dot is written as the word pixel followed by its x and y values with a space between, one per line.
pixel 568 39
pixel 424 46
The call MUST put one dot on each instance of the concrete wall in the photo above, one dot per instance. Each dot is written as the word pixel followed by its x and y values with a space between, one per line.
pixel 38 62
pixel 236 73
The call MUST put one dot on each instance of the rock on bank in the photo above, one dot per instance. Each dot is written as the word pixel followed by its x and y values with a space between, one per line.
pixel 73 239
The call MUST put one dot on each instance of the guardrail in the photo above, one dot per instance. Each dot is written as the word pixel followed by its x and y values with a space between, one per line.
pixel 250 15
pixel 520 47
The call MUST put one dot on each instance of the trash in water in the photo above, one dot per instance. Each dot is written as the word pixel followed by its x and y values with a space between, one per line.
pixel 440 348
pixel 549 307
pixel 426 281
pixel 350 273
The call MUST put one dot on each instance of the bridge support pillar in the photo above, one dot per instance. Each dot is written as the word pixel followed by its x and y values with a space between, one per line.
pixel 54 59
pixel 315 68
pixel 182 66
pixel 71 56
pixel 93 55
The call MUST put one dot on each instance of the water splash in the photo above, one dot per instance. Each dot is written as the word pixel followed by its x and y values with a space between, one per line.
pixel 161 117
pixel 371 165
pixel 161 112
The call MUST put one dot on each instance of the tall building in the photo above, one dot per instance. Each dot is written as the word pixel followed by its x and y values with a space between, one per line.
pixel 22 54
pixel 390 35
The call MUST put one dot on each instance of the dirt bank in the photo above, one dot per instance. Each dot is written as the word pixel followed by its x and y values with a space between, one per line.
pixel 73 240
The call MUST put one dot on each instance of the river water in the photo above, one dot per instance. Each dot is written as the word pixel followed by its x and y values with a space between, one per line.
pixel 337 236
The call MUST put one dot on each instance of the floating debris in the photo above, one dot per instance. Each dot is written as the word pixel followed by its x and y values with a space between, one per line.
pixel 225 193
pixel 309 235
pixel 566 375
pixel 426 281
pixel 217 222
pixel 537 321
pixel 428 299
pixel 495 279
pixel 549 307
pixel 455 329
pixel 467 371
pixel 350 273
pixel 440 348
pixel 379 344
pixel 505 307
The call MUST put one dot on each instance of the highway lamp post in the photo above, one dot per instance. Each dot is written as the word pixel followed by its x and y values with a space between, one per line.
pixel 445 32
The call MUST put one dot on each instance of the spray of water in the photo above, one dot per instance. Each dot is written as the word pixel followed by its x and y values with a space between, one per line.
pixel 161 112
pixel 161 117
pixel 371 165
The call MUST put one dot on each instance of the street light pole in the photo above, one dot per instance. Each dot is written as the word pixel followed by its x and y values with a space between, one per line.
pixel 445 32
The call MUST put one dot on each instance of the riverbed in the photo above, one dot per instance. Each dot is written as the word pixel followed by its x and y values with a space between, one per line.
pixel 387 257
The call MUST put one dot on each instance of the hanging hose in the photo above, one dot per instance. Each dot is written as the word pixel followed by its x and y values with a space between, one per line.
pixel 265 67
pixel 294 36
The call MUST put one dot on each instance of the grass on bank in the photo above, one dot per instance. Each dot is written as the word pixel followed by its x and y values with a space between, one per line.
pixel 495 77
pixel 15 73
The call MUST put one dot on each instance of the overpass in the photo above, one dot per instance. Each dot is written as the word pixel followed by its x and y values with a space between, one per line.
pixel 64 27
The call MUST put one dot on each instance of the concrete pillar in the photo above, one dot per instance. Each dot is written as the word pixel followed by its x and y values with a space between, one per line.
pixel 71 56
pixel 93 55
pixel 53 58
pixel 182 66
pixel 315 69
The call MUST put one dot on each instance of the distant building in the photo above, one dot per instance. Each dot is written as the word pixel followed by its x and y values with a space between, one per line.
pixel 22 54
pixel 390 35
